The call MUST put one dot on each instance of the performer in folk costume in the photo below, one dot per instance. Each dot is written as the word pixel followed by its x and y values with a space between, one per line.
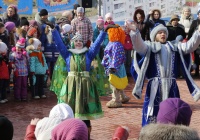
pixel 113 61
pixel 78 90
pixel 159 64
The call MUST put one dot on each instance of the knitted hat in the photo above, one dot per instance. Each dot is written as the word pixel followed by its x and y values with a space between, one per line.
pixel 100 20
pixel 10 26
pixel 3 47
pixel 66 28
pixel 24 21
pixel 35 42
pixel 80 10
pixel 77 36
pixel 6 129
pixel 52 19
pixel 14 7
pixel 33 23
pixel 44 127
pixel 76 6
pixel 43 12
pixel 63 111
pixel 108 15
pixel 31 31
pixel 173 17
pixel 70 129
pixel 21 43
pixel 158 27
pixel 175 111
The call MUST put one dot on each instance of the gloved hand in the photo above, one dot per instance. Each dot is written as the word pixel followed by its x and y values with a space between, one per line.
pixel 47 72
pixel 50 24
pixel 111 26
pixel 88 43
pixel 112 70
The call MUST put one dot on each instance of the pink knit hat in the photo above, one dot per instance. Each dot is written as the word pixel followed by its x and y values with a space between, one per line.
pixel 70 129
pixel 100 20
pixel 10 26
pixel 21 43
pixel 108 15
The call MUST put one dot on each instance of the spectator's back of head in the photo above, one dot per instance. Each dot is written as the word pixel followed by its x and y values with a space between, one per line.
pixel 167 132
pixel 70 129
pixel 62 111
pixel 175 111
pixel 6 129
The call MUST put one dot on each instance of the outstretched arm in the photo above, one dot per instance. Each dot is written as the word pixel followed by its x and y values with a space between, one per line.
pixel 192 44
pixel 137 41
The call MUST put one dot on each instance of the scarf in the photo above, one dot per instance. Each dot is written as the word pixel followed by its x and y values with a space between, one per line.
pixel 39 56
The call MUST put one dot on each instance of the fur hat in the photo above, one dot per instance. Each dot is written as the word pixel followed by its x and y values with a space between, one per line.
pixel 66 13
pixel 66 28
pixel 62 111
pixel 3 47
pixel 43 12
pixel 70 129
pixel 6 129
pixel 100 20
pixel 24 21
pixel 31 31
pixel 21 43
pixel 173 17
pixel 80 10
pixel 10 26
pixel 175 111
pixel 52 19
pixel 156 131
pixel 34 42
pixel 108 15
pixel 44 127
pixel 158 27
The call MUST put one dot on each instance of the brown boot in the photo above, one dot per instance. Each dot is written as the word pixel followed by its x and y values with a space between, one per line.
pixel 123 97
pixel 115 102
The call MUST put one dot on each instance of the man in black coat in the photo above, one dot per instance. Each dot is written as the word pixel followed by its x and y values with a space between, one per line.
pixel 175 29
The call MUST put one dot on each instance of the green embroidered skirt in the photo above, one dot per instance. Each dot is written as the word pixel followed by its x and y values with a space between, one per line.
pixel 80 93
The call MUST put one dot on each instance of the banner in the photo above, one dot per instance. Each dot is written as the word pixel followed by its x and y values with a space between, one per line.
pixel 25 7
pixel 56 5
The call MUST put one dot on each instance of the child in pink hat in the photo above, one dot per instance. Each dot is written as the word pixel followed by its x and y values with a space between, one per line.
pixel 18 61
pixel 108 19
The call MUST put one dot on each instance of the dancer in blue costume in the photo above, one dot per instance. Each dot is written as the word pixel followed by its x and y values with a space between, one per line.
pixel 159 65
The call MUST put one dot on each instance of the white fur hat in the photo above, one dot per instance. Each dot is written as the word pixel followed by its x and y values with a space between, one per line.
pixel 80 10
pixel 3 47
pixel 36 43
pixel 108 15
pixel 62 111
pixel 155 30
pixel 66 28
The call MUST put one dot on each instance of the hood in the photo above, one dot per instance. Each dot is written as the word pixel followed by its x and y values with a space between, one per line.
pixel 168 132
pixel 139 11
pixel 38 18
pixel 14 17
pixel 158 12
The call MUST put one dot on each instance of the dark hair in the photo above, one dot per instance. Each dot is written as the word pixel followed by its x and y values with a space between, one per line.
pixel 76 6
